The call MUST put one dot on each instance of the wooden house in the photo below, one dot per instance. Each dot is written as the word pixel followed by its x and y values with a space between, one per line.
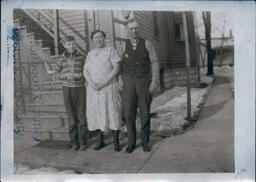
pixel 42 113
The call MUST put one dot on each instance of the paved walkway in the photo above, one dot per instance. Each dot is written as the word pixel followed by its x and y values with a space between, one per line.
pixel 207 147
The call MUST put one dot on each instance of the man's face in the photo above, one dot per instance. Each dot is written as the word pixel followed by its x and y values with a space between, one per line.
pixel 133 29
pixel 70 46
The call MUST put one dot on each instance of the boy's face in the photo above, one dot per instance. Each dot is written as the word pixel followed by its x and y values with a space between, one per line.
pixel 70 46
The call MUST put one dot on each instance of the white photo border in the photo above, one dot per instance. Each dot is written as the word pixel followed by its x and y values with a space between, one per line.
pixel 244 34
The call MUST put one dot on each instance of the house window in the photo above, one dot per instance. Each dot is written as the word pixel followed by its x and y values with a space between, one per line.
pixel 178 26
pixel 178 32
pixel 155 23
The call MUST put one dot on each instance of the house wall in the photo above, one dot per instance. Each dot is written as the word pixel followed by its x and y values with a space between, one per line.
pixel 171 53
pixel 72 22
pixel 177 77
pixel 161 42
pixel 100 20
pixel 178 47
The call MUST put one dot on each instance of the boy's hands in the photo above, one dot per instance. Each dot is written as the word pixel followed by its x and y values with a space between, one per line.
pixel 70 76
pixel 62 76
pixel 74 76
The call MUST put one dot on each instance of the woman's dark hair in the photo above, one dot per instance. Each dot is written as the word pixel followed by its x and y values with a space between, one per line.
pixel 97 31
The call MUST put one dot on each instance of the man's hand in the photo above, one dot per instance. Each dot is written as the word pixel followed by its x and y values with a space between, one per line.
pixel 153 87
pixel 120 85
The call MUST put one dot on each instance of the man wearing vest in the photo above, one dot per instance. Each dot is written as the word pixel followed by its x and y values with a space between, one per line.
pixel 140 73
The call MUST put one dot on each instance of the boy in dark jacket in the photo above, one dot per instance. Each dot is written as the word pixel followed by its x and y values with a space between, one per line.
pixel 69 69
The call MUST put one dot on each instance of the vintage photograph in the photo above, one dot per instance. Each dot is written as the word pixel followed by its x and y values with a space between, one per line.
pixel 123 92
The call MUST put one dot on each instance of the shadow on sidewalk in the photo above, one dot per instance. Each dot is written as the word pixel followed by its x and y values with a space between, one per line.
pixel 219 80
pixel 212 109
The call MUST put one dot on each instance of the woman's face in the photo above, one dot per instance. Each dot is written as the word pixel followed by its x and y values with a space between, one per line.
pixel 98 39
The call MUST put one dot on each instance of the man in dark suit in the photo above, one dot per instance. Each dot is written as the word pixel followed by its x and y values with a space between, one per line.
pixel 140 73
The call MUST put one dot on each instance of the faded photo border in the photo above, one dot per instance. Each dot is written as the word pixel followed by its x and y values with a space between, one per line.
pixel 244 32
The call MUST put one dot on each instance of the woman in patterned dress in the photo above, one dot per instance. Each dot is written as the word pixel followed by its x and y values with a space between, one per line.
pixel 102 96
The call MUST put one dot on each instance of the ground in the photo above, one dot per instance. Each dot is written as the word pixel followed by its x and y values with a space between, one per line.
pixel 205 146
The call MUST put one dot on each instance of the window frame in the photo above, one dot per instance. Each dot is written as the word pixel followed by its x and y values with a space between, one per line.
pixel 156 32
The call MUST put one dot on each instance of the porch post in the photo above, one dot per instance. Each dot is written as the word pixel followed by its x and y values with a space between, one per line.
pixel 187 53
pixel 56 32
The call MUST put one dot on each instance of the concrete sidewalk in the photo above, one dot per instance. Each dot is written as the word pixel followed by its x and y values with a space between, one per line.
pixel 207 147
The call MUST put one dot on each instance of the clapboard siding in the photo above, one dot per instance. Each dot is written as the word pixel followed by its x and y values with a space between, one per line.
pixel 178 47
pixel 161 43
pixel 105 24
pixel 76 20
pixel 169 51
pixel 71 19
pixel 71 13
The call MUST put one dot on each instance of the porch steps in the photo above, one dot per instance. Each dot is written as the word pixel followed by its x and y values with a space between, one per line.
pixel 48 97
pixel 60 134
pixel 44 121
pixel 46 108
pixel 45 117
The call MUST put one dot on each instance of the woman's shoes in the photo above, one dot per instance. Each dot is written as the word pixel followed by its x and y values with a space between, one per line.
pixel 117 146
pixel 100 142
pixel 130 149
pixel 99 146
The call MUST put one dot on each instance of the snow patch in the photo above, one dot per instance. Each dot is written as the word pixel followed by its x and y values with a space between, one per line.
pixel 171 107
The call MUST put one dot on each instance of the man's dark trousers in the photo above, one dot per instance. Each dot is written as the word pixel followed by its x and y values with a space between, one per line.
pixel 75 104
pixel 136 94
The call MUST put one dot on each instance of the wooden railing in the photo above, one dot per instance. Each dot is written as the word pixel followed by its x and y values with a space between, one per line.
pixel 52 28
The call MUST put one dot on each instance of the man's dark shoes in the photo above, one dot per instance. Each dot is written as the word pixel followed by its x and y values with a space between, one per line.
pixel 130 149
pixel 146 148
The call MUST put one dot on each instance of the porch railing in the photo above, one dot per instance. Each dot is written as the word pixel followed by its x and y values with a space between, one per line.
pixel 51 26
